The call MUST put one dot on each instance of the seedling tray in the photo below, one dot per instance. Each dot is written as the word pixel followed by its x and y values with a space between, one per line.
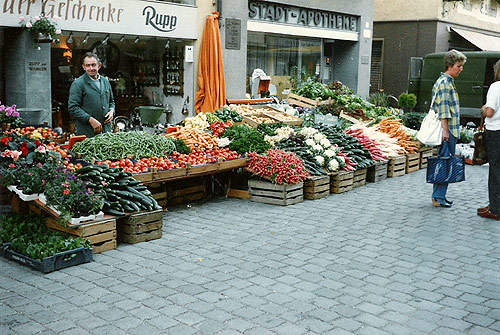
pixel 53 263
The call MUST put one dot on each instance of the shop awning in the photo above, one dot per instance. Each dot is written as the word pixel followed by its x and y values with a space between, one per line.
pixel 480 40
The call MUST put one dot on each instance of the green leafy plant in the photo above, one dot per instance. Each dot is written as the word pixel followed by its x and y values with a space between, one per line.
pixel 407 100
pixel 313 89
pixel 245 139
pixel 10 115
pixel 412 120
pixel 181 147
pixel 378 99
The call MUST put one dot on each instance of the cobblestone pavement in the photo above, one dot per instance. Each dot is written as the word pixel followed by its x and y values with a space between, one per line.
pixel 377 260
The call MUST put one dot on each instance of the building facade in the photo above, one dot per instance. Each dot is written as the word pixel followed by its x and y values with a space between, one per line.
pixel 406 29
pixel 294 39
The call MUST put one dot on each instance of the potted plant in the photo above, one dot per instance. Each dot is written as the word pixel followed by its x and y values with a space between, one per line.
pixel 45 29
pixel 71 197
pixel 9 117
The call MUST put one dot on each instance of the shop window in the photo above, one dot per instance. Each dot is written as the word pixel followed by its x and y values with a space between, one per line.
pixel 284 58
pixel 184 2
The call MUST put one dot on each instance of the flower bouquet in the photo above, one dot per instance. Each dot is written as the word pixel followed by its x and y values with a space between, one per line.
pixel 43 26
pixel 9 117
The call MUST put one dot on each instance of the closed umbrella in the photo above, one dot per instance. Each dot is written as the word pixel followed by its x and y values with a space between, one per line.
pixel 212 92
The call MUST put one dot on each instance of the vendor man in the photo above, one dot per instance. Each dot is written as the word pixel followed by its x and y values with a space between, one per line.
pixel 91 99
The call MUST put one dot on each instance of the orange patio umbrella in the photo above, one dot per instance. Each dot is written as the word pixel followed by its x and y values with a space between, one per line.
pixel 212 92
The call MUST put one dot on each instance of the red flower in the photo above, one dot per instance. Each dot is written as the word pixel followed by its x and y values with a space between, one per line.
pixel 5 140
pixel 66 191
pixel 24 148
pixel 38 143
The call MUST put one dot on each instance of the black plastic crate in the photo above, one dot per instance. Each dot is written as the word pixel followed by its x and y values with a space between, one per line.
pixel 53 263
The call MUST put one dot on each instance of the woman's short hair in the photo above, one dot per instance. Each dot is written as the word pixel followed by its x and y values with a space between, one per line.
pixel 452 57
pixel 496 69
pixel 91 55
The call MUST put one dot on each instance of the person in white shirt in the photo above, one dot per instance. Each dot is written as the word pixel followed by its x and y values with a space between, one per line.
pixel 491 112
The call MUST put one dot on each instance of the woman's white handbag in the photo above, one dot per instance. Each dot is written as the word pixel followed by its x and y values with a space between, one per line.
pixel 431 131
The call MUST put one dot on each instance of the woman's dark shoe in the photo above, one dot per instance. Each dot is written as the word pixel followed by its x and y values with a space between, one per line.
pixel 483 209
pixel 489 215
pixel 449 202
pixel 437 202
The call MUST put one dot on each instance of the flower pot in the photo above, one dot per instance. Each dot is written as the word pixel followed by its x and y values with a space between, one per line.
pixel 5 126
pixel 42 38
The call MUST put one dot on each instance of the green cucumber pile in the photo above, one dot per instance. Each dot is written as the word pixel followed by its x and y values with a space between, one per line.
pixel 350 144
pixel 115 146
pixel 122 193
pixel 296 144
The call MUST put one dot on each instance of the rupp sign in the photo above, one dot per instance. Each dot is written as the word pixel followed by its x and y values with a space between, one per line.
pixel 108 16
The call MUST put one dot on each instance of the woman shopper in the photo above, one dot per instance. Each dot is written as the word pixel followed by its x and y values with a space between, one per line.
pixel 447 106
pixel 491 111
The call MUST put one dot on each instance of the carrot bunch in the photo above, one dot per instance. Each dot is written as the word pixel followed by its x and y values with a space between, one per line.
pixel 394 128
pixel 195 138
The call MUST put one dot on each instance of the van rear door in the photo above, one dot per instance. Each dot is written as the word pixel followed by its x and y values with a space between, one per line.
pixel 470 87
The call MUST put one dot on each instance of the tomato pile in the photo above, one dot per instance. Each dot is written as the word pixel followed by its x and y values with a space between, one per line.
pixel 218 128
pixel 196 157
pixel 72 166
pixel 143 165
pixel 223 153
pixel 56 147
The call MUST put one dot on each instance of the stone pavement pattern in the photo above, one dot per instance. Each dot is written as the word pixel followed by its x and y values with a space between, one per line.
pixel 377 260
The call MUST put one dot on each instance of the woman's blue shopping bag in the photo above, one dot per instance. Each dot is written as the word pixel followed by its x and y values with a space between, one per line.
pixel 444 170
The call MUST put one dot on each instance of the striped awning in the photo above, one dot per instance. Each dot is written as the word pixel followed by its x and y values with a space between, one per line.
pixel 482 41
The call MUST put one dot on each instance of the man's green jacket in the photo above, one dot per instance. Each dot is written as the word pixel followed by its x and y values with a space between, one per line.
pixel 86 100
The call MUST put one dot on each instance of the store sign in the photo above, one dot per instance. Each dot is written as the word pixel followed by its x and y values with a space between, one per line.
pixel 307 17
pixel 233 34
pixel 109 16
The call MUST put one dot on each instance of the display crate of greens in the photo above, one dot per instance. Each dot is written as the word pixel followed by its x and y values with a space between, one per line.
pixel 341 181
pixel 100 233
pixel 140 227
pixel 316 187
pixel 412 162
pixel 396 167
pixel 359 177
pixel 425 152
pixel 276 194
pixel 53 263
pixel 377 172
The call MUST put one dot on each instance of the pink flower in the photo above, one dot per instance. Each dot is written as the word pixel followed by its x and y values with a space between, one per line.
pixel 15 114
pixel 29 25
pixel 12 166
pixel 21 18
pixel 41 149
pixel 57 18
pixel 66 191
pixel 39 165
pixel 15 154
pixel 58 31
pixel 36 18
pixel 9 111
pixel 2 107
pixel 6 153
pixel 66 184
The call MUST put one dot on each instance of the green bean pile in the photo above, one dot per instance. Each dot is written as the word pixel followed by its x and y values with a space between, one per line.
pixel 114 146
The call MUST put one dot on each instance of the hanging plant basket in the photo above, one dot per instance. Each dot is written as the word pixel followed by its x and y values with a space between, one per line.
pixel 42 38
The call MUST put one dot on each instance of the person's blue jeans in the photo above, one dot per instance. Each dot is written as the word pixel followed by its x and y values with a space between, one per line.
pixel 445 149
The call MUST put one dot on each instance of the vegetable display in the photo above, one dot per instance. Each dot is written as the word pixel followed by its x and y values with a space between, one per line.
pixel 196 139
pixel 278 166
pixel 122 193
pixel 227 114
pixel 245 139
pixel 394 128
pixel 368 143
pixel 114 146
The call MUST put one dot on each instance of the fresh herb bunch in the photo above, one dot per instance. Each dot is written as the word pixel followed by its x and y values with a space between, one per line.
pixel 313 89
pixel 270 128
pixel 14 225
pixel 245 139
pixel 181 147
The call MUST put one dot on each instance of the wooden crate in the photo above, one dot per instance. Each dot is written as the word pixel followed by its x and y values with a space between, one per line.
pixel 341 181
pixel 412 162
pixel 17 205
pixel 396 167
pixel 424 154
pixel 186 190
pixel 100 233
pixel 316 187
pixel 269 193
pixel 359 178
pixel 377 172
pixel 297 100
pixel 140 227
pixel 159 193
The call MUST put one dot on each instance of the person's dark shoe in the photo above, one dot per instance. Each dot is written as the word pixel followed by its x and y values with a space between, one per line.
pixel 437 202
pixel 449 202
pixel 483 209
pixel 489 215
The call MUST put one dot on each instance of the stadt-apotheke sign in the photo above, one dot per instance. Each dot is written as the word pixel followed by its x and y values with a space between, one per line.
pixel 298 16
pixel 108 16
